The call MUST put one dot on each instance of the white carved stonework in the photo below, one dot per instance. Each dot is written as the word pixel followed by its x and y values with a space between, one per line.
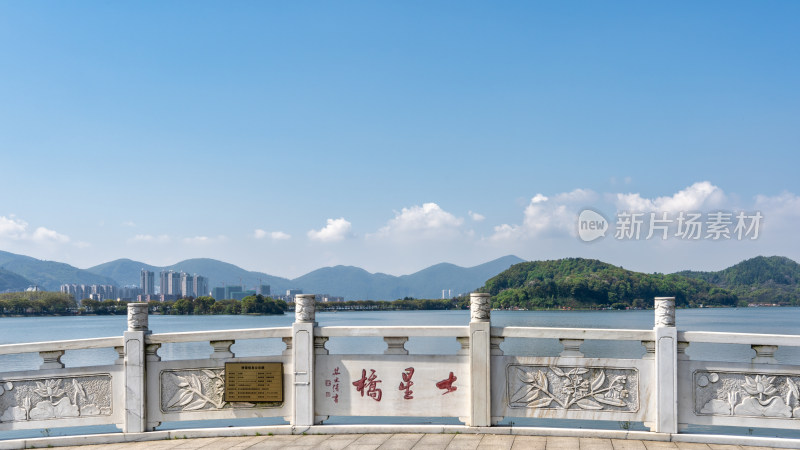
pixel 575 388
pixel 55 398
pixel 746 394
pixel 480 307
pixel 665 311
pixel 137 316
pixel 197 390
pixel 304 307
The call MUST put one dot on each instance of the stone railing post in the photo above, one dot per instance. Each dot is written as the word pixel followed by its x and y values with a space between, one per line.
pixel 303 359
pixel 666 366
pixel 479 360
pixel 135 375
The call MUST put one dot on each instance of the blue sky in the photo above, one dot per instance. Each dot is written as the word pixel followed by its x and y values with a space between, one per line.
pixel 283 137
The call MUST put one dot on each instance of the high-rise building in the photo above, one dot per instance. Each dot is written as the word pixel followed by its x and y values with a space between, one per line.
pixel 147 283
pixel 170 283
pixel 200 285
pixel 262 289
pixel 218 293
pixel 229 290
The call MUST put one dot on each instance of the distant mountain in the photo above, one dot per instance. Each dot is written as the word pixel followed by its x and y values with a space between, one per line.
pixel 49 275
pixel 127 272
pixel 763 279
pixel 11 282
pixel 583 283
pixel 353 283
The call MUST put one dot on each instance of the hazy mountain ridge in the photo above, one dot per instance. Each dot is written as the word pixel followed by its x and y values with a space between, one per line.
pixel 353 283
pixel 49 275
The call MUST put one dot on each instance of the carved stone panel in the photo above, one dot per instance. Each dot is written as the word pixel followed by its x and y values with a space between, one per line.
pixel 55 398
pixel 198 390
pixel 573 388
pixel 746 394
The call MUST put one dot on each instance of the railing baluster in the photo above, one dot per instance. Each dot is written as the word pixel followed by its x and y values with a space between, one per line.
pixel 52 359
pixel 395 345
pixel 222 349
pixel 572 348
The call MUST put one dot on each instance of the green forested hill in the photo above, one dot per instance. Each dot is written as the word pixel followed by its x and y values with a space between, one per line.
pixel 586 283
pixel 10 281
pixel 763 279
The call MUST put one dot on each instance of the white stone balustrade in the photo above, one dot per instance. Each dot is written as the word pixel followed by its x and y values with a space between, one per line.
pixel 480 384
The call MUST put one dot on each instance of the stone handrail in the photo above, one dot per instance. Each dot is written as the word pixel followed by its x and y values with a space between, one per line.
pixel 573 333
pixel 73 344
pixel 739 338
pixel 218 335
pixel 411 331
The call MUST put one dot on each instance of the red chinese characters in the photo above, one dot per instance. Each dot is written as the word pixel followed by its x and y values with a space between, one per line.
pixel 370 383
pixel 333 386
pixel 406 384
pixel 447 384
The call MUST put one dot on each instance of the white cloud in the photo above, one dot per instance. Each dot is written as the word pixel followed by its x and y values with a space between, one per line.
pixel 576 196
pixel 202 240
pixel 161 239
pixel 335 230
pixel 780 211
pixel 274 235
pixel 129 223
pixel 477 217
pixel 546 216
pixel 44 235
pixel 14 229
pixel 280 236
pixel 699 196
pixel 428 220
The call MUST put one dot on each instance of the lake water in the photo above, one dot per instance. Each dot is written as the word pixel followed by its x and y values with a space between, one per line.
pixel 747 320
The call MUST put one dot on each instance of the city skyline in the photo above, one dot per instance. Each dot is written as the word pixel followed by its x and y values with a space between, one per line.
pixel 285 138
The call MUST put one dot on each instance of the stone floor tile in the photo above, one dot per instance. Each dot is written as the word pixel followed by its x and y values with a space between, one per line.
pixel 724 447
pixel 691 446
pixel 529 443
pixel 244 442
pixel 465 442
pixel 198 443
pixel 496 442
pixel 400 441
pixel 338 441
pixel 562 443
pixel 433 441
pixel 273 442
pixel 659 445
pixel 595 444
pixel 627 444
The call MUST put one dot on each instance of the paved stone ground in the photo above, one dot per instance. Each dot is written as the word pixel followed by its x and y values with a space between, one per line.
pixel 410 441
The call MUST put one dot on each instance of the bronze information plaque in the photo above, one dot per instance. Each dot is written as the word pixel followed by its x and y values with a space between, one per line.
pixel 254 382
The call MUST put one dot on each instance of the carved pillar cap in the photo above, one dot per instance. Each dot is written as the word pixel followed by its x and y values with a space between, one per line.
pixel 304 307
pixel 665 311
pixel 480 308
pixel 137 317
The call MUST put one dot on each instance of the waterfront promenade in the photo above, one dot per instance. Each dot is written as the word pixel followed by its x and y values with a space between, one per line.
pixel 409 441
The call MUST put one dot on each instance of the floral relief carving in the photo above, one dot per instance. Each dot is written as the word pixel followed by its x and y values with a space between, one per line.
pixel 746 394
pixel 576 388
pixel 55 398
pixel 195 390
